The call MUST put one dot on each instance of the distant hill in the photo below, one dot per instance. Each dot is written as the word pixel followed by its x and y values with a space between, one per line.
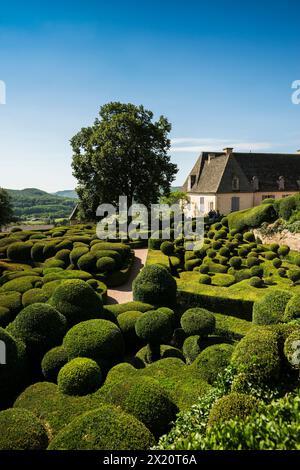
pixel 33 203
pixel 71 193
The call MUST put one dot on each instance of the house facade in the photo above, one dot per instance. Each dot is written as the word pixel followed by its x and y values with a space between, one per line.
pixel 229 181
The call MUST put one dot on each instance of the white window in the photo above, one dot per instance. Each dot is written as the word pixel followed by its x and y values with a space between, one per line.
pixel 211 206
pixel 268 196
pixel 235 183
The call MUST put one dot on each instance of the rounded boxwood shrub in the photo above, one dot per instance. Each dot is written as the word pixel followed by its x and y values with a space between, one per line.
pixel 191 348
pixel 243 252
pixel 37 252
pixel 155 285
pixel 292 309
pixel 216 245
pixel 166 351
pixel 283 250
pixel 270 308
pixel 80 376
pixel 20 251
pixel 53 361
pixel 40 326
pixel 63 255
pixel 249 237
pixel 167 248
pixel 292 349
pixel 294 275
pixel 33 296
pixel 212 361
pixel 235 262
pixel 106 264
pixel 224 251
pixel 257 271
pixel 277 263
pixel 126 322
pixel 234 405
pixel 87 262
pixel 252 261
pixel 269 255
pixel 211 253
pixel 274 247
pixel 256 281
pixel 13 374
pixel 5 317
pixel 21 430
pixel 257 355
pixel 107 428
pixel 192 263
pixel 204 279
pixel 77 301
pixel 100 340
pixel 150 404
pixel 198 321
pixel 281 272
pixel 155 328
pixel 77 252
pixel 204 268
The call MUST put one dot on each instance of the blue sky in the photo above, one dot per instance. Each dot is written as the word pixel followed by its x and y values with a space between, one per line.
pixel 220 71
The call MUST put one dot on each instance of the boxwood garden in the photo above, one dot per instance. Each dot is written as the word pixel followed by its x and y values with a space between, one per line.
pixel 204 357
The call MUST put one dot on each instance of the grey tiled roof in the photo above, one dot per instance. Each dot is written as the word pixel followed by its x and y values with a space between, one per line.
pixel 215 175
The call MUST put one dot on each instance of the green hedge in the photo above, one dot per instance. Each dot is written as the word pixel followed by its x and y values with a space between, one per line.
pixel 251 218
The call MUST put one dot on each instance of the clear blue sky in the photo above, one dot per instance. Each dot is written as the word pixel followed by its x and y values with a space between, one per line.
pixel 220 71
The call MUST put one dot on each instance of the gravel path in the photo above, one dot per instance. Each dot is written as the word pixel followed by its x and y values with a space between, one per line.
pixel 123 293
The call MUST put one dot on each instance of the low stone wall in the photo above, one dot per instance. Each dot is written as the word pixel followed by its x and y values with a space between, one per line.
pixel 282 238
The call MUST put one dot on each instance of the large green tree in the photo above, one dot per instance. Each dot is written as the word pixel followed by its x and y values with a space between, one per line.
pixel 6 209
pixel 124 153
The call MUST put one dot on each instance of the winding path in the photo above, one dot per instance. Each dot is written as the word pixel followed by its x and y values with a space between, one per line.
pixel 123 293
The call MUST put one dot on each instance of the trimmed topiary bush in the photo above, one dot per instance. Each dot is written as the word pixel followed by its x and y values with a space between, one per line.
pixel 257 355
pixel 204 268
pixel 234 405
pixel 270 308
pixel 256 281
pixel 21 430
pixel 204 279
pixel 277 263
pixel 269 255
pixel 257 271
pixel 191 348
pixel 107 428
pixel 106 264
pixel 53 361
pixel 37 252
pixel 167 248
pixel 77 252
pixel 20 252
pixel 100 340
pixel 154 328
pixel 155 285
pixel 126 322
pixel 77 301
pixel 33 296
pixel 150 404
pixel 80 376
pixel 249 237
pixel 292 309
pixel 294 275
pixel 212 361
pixel 235 262
pixel 40 326
pixel 283 250
pixel 87 262
pixel 198 321
pixel 252 261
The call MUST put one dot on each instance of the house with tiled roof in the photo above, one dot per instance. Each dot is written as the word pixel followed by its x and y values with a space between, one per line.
pixel 229 181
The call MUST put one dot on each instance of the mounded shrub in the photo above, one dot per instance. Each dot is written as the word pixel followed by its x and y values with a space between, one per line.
pixel 21 430
pixel 274 247
pixel 53 361
pixel 204 279
pixel 100 340
pixel 283 250
pixel 198 321
pixel 294 275
pixel 110 254
pixel 80 376
pixel 277 263
pixel 106 264
pixel 249 237
pixel 292 349
pixel 63 255
pixel 251 218
pixel 235 262
pixel 150 404
pixel 286 207
pixel 292 309
pixel 192 263
pixel 256 281
pixel 224 251
pixel 165 352
pixel 87 262
pixel 243 251
pixel 204 269
pixel 211 253
pixel 77 252
pixel 270 308
pixel 252 261
pixel 191 348
pixel 257 271
pixel 155 285
pixel 212 361
pixel 40 326
pixel 5 317
pixel 19 251
pixel 154 328
pixel 269 255
pixel 37 252
pixel 107 428
pixel 281 272
pixel 77 301
pixel 167 248
pixel 21 284
pixel 257 355
pixel 33 296
pixel 126 322
pixel 234 405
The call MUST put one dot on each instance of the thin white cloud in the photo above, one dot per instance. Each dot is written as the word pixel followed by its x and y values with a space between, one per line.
pixel 191 144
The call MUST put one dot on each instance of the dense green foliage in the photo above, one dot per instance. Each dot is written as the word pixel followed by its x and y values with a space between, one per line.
pixel 21 430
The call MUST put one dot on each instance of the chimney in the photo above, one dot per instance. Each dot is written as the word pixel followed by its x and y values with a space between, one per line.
pixel 228 150
pixel 210 157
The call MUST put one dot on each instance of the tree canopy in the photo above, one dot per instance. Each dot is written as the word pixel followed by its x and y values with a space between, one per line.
pixel 124 153
pixel 6 209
